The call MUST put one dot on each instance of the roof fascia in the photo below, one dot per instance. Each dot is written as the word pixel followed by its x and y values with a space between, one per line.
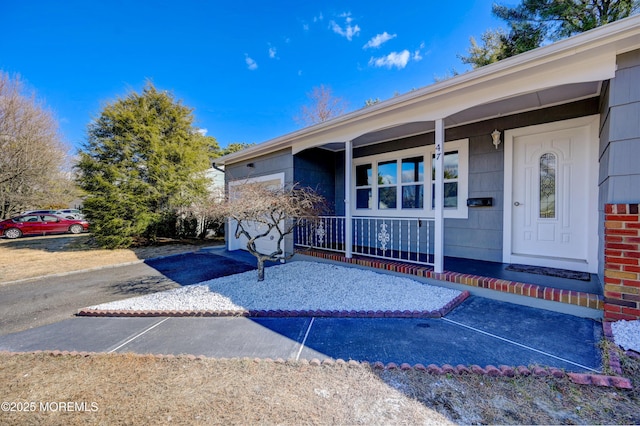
pixel 589 56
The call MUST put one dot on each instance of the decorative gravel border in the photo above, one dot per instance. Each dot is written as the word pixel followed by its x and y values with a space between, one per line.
pixel 86 312
pixel 588 300
pixel 446 369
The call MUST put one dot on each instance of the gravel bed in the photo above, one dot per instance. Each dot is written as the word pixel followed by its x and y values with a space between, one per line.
pixel 626 334
pixel 297 286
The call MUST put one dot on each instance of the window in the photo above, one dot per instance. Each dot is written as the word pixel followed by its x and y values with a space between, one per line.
pixel 364 184
pixel 387 185
pixel 412 183
pixel 548 186
pixel 395 184
pixel 451 164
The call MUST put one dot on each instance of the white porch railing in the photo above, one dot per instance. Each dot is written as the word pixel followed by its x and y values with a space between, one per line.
pixel 405 239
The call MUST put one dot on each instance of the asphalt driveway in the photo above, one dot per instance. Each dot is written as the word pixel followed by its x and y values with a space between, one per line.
pixel 480 331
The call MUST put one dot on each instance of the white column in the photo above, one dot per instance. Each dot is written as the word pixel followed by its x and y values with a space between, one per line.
pixel 348 225
pixel 438 245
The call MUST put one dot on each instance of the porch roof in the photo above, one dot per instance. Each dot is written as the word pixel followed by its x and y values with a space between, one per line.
pixel 561 72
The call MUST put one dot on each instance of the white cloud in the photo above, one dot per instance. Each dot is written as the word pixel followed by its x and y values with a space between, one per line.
pixel 349 30
pixel 305 27
pixel 417 56
pixel 251 64
pixel 203 132
pixel 377 41
pixel 393 59
pixel 318 18
pixel 272 52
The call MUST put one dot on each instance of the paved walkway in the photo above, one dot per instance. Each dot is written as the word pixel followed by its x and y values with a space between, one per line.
pixel 480 331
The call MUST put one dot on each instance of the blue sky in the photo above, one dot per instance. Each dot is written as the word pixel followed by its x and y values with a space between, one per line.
pixel 245 67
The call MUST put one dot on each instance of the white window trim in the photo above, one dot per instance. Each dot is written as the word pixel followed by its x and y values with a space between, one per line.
pixel 461 212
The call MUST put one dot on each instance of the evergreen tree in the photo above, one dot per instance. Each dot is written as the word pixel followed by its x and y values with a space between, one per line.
pixel 143 160
pixel 533 22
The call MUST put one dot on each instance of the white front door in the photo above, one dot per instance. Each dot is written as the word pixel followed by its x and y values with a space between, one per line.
pixel 552 203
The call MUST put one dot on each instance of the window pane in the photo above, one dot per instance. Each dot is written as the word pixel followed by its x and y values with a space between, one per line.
pixel 450 195
pixel 412 196
pixel 364 174
pixel 388 173
pixel 387 198
pixel 450 166
pixel 548 186
pixel 413 169
pixel 363 198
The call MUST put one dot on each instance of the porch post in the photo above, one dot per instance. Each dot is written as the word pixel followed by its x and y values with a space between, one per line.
pixel 438 245
pixel 348 225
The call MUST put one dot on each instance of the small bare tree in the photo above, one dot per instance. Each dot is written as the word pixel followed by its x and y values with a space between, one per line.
pixel 324 106
pixel 261 212
pixel 32 154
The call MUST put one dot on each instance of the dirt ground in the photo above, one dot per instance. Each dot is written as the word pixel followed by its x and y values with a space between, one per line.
pixel 138 389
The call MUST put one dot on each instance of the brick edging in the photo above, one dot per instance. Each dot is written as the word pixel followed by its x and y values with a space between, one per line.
pixel 578 298
pixel 445 369
pixel 280 313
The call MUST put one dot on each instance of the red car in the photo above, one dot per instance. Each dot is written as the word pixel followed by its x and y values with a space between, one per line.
pixel 41 224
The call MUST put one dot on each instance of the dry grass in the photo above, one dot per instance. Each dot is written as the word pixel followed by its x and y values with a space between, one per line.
pixel 140 389
pixel 65 253
pixel 137 389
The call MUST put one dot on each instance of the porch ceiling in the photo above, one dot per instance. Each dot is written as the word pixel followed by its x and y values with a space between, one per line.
pixel 513 105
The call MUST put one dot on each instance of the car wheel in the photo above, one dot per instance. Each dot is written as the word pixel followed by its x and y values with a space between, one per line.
pixel 75 229
pixel 13 233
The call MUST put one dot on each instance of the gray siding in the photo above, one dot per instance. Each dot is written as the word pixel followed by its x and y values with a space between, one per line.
pixel 316 168
pixel 619 177
pixel 277 162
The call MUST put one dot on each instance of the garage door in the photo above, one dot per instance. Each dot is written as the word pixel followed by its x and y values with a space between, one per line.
pixel 267 244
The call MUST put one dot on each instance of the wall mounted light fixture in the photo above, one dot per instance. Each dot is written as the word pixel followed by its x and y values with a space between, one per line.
pixel 495 135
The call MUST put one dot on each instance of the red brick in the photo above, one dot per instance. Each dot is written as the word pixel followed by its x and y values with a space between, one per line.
pixel 622 260
pixel 616 231
pixel 614 253
pixel 612 294
pixel 635 254
pixel 632 225
pixel 622 208
pixel 599 380
pixel 631 283
pixel 621 217
pixel 631 268
pixel 621 382
pixel 581 379
pixel 612 267
pixel 614 238
pixel 613 281
pixel 608 307
pixel 622 246
pixel 609 208
pixel 612 316
pixel 631 311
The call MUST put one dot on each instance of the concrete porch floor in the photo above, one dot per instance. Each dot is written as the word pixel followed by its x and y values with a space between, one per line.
pixel 493 280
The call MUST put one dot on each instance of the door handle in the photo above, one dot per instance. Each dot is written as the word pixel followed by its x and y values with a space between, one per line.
pixel 517 203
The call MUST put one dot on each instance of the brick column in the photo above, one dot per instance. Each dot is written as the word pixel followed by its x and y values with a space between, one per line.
pixel 622 262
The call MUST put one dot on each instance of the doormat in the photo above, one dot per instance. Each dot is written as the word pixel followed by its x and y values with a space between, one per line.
pixel 551 272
